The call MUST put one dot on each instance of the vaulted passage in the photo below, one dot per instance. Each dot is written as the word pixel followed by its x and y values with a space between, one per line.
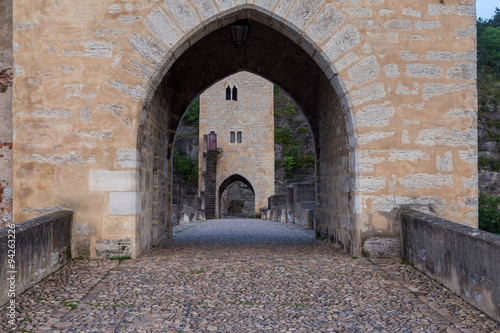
pixel 274 56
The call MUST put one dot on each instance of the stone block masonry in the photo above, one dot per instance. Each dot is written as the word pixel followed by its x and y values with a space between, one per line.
pixel 244 124
pixel 42 246
pixel 464 259
pixel 101 85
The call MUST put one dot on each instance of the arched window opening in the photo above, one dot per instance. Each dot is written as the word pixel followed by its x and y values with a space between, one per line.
pixel 235 93
pixel 228 93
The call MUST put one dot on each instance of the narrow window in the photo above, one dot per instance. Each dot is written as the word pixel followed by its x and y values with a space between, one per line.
pixel 239 137
pixel 235 93
pixel 231 137
pixel 228 93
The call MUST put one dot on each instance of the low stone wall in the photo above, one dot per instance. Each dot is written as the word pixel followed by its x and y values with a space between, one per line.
pixel 42 246
pixel 464 259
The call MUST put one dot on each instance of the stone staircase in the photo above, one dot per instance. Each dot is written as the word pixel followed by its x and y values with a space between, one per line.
pixel 210 190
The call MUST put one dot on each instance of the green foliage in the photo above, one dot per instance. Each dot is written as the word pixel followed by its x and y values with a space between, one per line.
pixel 278 112
pixel 303 129
pixel 489 213
pixel 283 136
pixel 488 52
pixel 277 90
pixel 492 162
pixel 187 167
pixel 192 116
pixel 290 110
pixel 293 160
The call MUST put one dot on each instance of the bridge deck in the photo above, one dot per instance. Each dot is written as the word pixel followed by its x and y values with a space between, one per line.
pixel 244 276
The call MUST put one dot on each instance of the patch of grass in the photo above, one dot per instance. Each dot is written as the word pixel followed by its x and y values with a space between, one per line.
pixel 78 258
pixel 406 262
pixel 72 304
pixel 199 271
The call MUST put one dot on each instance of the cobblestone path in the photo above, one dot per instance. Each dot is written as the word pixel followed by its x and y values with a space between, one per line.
pixel 243 276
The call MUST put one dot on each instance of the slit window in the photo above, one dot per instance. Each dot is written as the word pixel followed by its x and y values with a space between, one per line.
pixel 231 137
pixel 235 93
pixel 239 138
pixel 228 93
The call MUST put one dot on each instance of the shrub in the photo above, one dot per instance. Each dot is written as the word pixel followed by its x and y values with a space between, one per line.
pixel 277 90
pixel 187 167
pixel 489 213
pixel 283 136
pixel 278 112
pixel 492 162
pixel 290 110
pixel 192 116
pixel 303 129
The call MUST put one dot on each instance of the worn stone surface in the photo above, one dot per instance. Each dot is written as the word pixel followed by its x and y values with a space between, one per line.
pixel 133 69
pixel 41 247
pixel 240 276
pixel 458 256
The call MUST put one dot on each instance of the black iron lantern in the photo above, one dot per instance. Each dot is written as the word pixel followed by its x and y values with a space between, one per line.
pixel 239 32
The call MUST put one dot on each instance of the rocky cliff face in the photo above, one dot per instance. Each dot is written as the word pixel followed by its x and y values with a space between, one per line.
pixel 489 148
pixel 288 115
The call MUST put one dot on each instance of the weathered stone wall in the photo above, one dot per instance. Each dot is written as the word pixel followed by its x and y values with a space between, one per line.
pixel 155 175
pixel 5 112
pixel 334 193
pixel 388 88
pixel 252 115
pixel 43 245
pixel 464 259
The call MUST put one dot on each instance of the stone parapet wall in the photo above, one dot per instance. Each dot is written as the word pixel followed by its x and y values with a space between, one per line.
pixel 464 259
pixel 42 246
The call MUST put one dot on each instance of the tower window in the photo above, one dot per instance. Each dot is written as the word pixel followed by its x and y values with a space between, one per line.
pixel 228 93
pixel 235 93
pixel 239 137
pixel 231 137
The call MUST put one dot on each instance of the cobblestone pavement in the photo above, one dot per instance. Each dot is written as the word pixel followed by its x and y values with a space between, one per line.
pixel 243 276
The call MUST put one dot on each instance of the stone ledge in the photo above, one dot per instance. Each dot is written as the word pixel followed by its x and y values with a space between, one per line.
pixel 463 258
pixel 43 245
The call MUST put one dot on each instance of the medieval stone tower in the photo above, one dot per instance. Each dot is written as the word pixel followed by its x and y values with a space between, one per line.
pixel 239 109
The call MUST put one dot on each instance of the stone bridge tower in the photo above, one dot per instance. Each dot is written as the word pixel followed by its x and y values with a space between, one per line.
pixel 239 109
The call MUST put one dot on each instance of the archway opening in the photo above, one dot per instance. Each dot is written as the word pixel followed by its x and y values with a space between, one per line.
pixel 236 198
pixel 270 54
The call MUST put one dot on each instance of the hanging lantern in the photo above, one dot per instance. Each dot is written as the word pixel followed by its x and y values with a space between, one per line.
pixel 239 32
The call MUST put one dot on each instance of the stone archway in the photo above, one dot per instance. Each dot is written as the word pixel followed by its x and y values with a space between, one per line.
pixel 389 96
pixel 226 183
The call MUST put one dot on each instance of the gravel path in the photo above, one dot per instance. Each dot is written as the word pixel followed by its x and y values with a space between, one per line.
pixel 243 276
